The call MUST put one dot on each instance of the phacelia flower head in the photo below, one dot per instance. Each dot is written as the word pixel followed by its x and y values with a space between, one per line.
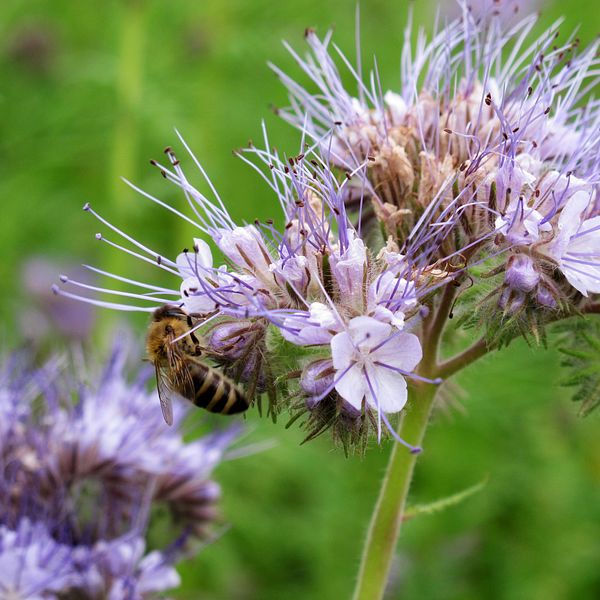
pixel 480 167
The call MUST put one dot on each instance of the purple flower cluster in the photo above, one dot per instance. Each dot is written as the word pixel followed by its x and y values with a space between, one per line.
pixel 482 166
pixel 498 147
pixel 80 469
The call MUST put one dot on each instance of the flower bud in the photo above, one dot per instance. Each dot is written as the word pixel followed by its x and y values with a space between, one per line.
pixel 545 297
pixel 230 339
pixel 521 274
pixel 238 347
pixel 245 247
pixel 317 377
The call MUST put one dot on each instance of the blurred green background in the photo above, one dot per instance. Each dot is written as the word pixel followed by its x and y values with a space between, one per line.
pixel 89 92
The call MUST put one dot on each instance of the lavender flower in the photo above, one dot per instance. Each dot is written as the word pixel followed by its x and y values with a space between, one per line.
pixel 493 156
pixel 506 11
pixel 80 469
pixel 481 166
pixel 33 565
pixel 49 315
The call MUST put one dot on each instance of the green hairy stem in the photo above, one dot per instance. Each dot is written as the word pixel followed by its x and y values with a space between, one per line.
pixel 385 523
pixel 382 535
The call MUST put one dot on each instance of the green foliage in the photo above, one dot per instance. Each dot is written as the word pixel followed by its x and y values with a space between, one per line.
pixel 581 352
pixel 443 503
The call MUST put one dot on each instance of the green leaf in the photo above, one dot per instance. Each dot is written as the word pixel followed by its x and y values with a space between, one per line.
pixel 581 352
pixel 443 503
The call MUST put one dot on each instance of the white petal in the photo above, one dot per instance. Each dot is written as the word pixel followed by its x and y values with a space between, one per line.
pixel 324 316
pixel 342 350
pixel 402 351
pixel 569 220
pixel 194 298
pixel 585 247
pixel 367 332
pixel 390 390
pixel 202 249
pixel 352 386
pixel 195 263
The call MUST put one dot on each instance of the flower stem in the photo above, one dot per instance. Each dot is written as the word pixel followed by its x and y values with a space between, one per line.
pixel 458 362
pixel 384 529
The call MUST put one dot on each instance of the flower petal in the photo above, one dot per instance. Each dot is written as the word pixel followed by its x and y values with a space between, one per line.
pixel 196 263
pixel 367 332
pixel 390 390
pixel 403 351
pixel 342 350
pixel 352 386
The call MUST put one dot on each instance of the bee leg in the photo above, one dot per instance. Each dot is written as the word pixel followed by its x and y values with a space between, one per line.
pixel 192 334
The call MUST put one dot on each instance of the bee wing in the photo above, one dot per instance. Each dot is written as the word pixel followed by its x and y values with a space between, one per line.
pixel 179 373
pixel 174 378
pixel 165 391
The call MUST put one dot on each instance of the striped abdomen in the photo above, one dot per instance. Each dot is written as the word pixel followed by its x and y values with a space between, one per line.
pixel 216 392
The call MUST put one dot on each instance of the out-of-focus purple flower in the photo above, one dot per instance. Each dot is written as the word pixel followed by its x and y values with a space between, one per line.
pixel 49 315
pixel 118 569
pixel 80 468
pixel 35 47
pixel 33 565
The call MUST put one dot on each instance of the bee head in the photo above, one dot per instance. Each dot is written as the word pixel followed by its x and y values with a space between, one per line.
pixel 168 311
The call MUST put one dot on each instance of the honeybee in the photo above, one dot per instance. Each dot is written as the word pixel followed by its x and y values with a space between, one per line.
pixel 174 351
